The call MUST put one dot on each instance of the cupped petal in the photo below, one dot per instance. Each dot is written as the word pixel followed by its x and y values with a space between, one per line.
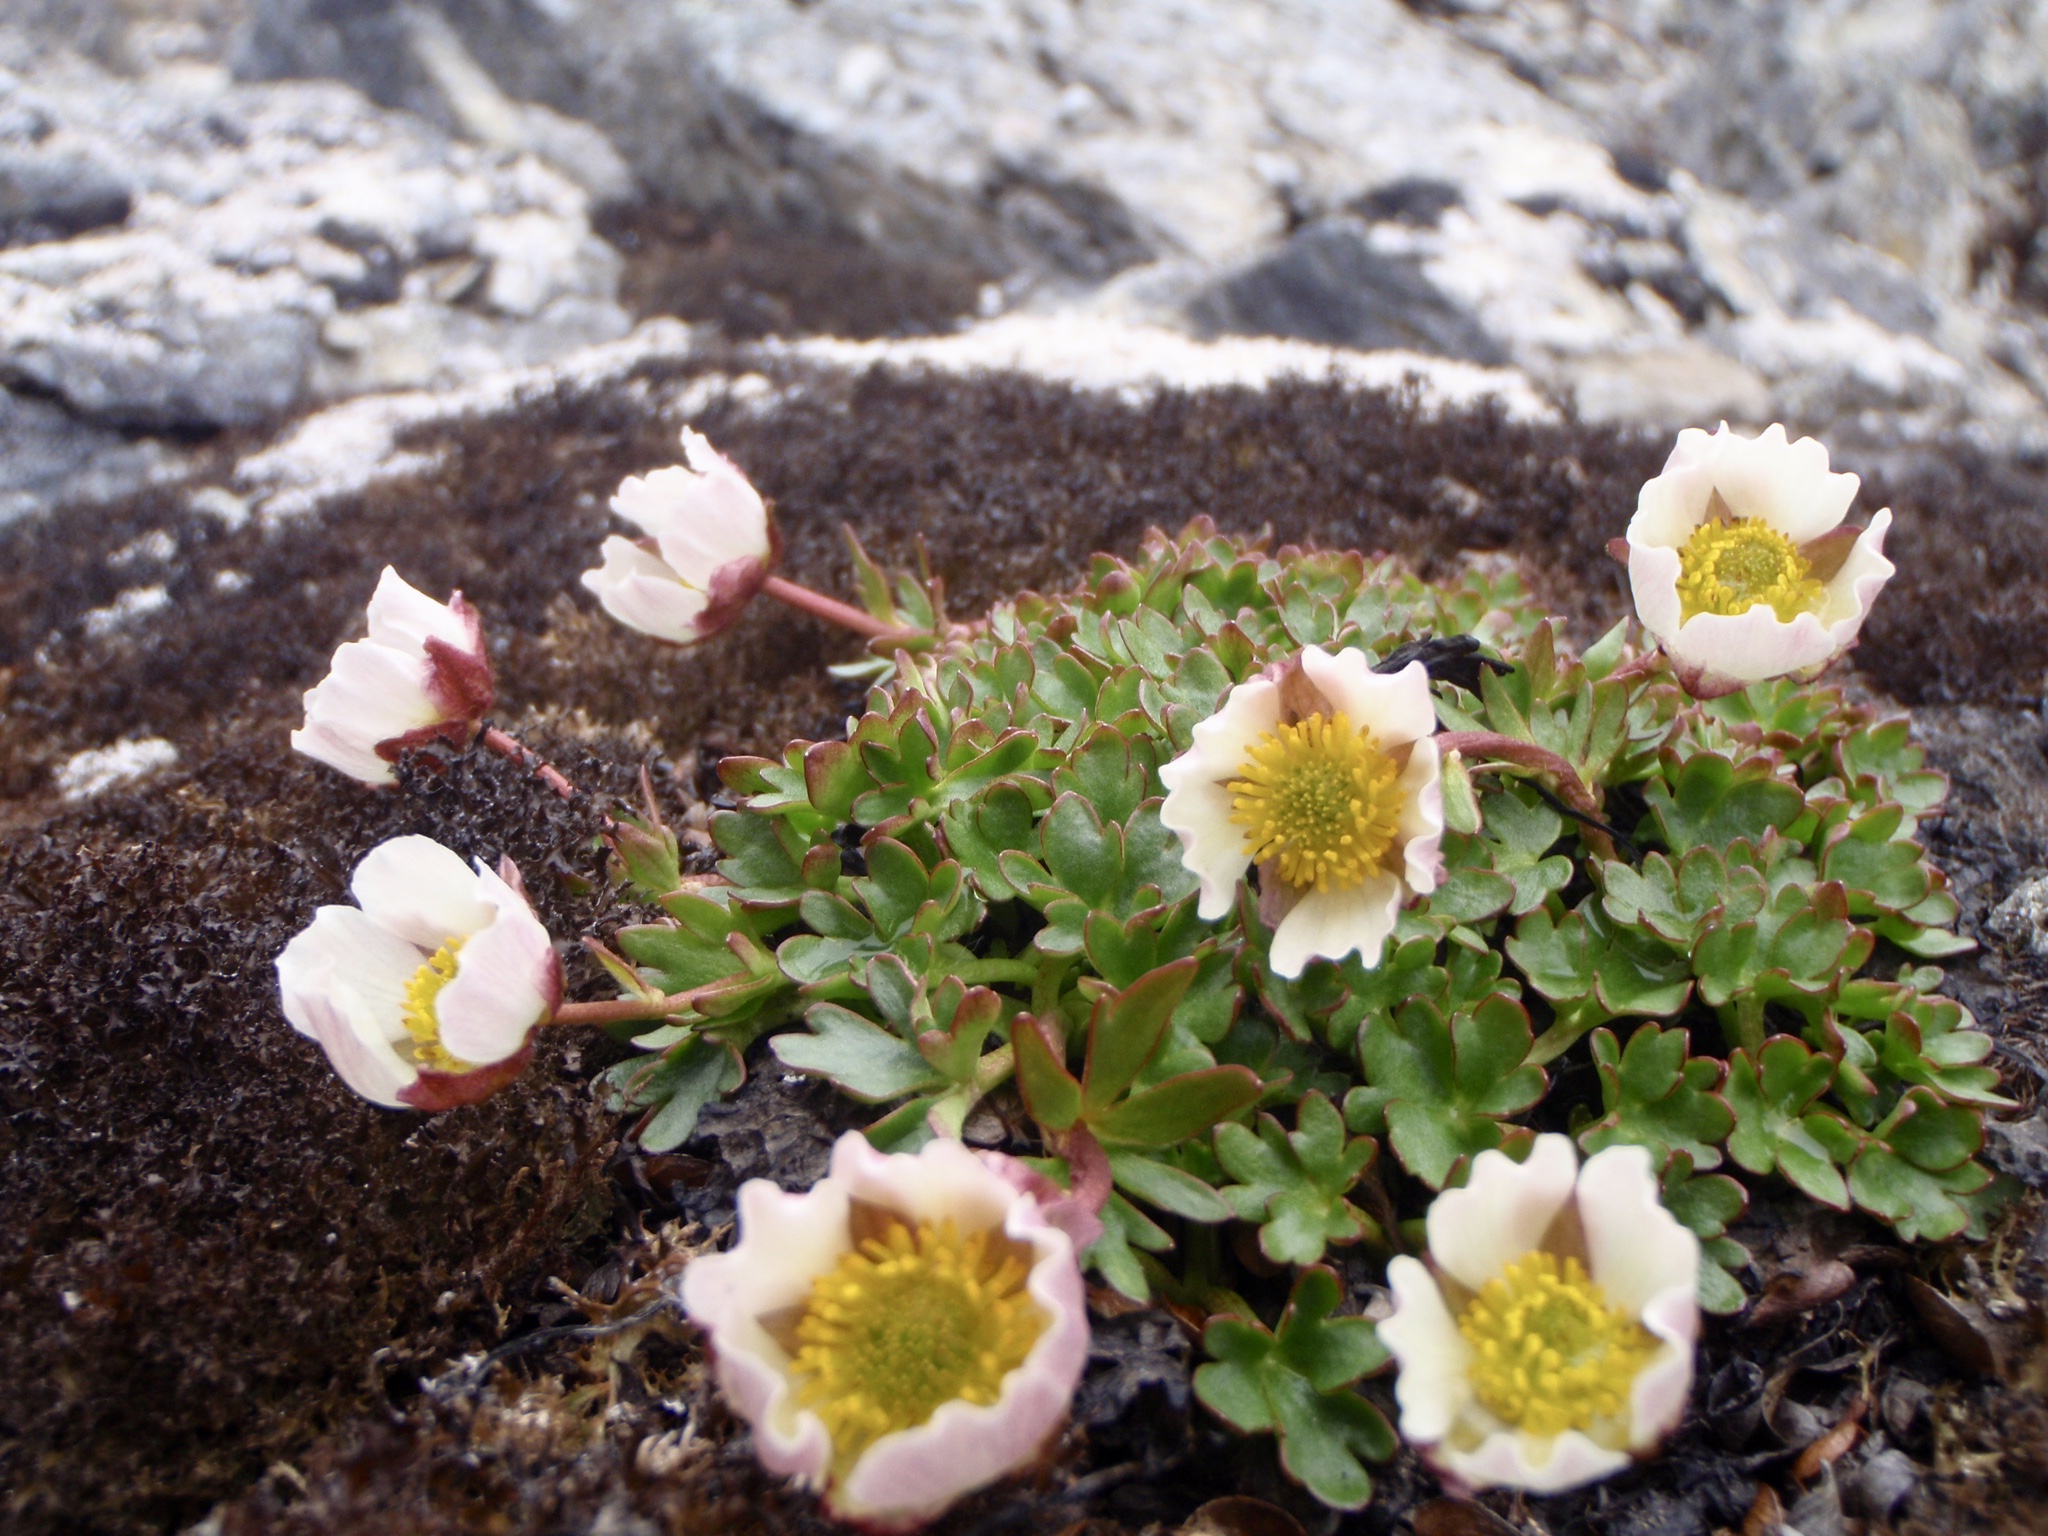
pixel 1502 1212
pixel 1435 1384
pixel 405 618
pixel 1854 587
pixel 1751 647
pixel 505 979
pixel 341 949
pixel 642 592
pixel 421 891
pixel 1395 706
pixel 1786 484
pixel 1198 799
pixel 786 1241
pixel 343 750
pixel 1513 1459
pixel 1329 925
pixel 1635 1248
pixel 1674 502
pixel 372 693
pixel 1653 573
pixel 356 1048
pixel 1421 827
pixel 1663 1387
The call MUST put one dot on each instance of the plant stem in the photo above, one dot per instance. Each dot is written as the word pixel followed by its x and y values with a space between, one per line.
pixel 1569 1028
pixel 832 611
pixel 514 750
pixel 1744 1024
pixel 621 1010
pixel 975 971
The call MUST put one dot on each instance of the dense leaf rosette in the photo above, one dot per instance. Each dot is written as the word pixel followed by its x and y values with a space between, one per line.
pixel 909 1329
pixel 424 994
pixel 1739 561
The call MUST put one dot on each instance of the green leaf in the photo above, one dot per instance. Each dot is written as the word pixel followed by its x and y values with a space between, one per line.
pixel 1169 1188
pixel 1656 1096
pixel 1293 1183
pixel 673 1090
pixel 1178 1108
pixel 1774 1129
pixel 1707 802
pixel 1924 1205
pixel 1051 1093
pixel 1296 1382
pixel 1125 1030
pixel 1125 1229
pixel 863 1059
pixel 1449 1082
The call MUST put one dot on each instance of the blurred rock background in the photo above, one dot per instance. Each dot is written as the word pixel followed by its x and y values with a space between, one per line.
pixel 218 214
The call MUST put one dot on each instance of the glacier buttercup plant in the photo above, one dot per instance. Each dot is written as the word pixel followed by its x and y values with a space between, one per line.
pixel 419 676
pixel 1740 564
pixel 709 544
pixel 1549 1340
pixel 909 1329
pixel 426 993
pixel 1322 773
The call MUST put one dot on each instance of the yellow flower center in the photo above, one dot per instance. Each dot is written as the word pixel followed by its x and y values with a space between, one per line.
pixel 906 1323
pixel 1320 801
pixel 1548 1352
pixel 1729 568
pixel 421 1020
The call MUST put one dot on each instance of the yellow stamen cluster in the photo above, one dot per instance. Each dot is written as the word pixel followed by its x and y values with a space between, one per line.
pixel 1318 800
pixel 1549 1353
pixel 421 1020
pixel 906 1323
pixel 1730 567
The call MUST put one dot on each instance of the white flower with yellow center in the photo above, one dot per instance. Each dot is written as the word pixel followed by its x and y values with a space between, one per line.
pixel 1739 562
pixel 909 1329
pixel 709 543
pixel 426 993
pixel 1549 1340
pixel 1323 774
pixel 420 674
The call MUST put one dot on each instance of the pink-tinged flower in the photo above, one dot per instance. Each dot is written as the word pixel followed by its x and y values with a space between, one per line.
pixel 1740 564
pixel 1322 772
pixel 1549 1340
pixel 710 543
pixel 426 993
pixel 420 675
pixel 908 1330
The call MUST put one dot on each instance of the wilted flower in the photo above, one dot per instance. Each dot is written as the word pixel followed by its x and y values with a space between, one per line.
pixel 424 996
pixel 1322 773
pixel 1739 561
pixel 710 542
pixel 906 1331
pixel 1550 1337
pixel 421 674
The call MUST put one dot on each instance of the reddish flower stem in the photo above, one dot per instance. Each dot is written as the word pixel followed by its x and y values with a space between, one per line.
pixel 1526 754
pixel 514 750
pixel 832 611
pixel 621 1010
pixel 1087 1168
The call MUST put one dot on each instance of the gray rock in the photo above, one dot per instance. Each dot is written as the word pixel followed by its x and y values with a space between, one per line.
pixel 2021 919
pixel 48 456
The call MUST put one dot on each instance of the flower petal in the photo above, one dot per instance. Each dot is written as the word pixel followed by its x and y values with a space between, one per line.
pixel 643 593
pixel 1435 1384
pixel 1503 1210
pixel 1751 647
pixel 1512 1459
pixel 345 751
pixel 1395 706
pixel 786 1242
pixel 405 618
pixel 505 980
pixel 1673 503
pixel 1198 800
pixel 1635 1248
pixel 1662 1388
pixel 1854 587
pixel 1653 573
pixel 1422 818
pixel 1331 924
pixel 421 891
pixel 1786 484
pixel 371 693
pixel 341 982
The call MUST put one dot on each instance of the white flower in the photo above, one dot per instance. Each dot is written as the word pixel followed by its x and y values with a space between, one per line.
pixel 908 1330
pixel 709 546
pixel 1326 777
pixel 424 996
pixel 1550 1338
pixel 421 674
pixel 1739 561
